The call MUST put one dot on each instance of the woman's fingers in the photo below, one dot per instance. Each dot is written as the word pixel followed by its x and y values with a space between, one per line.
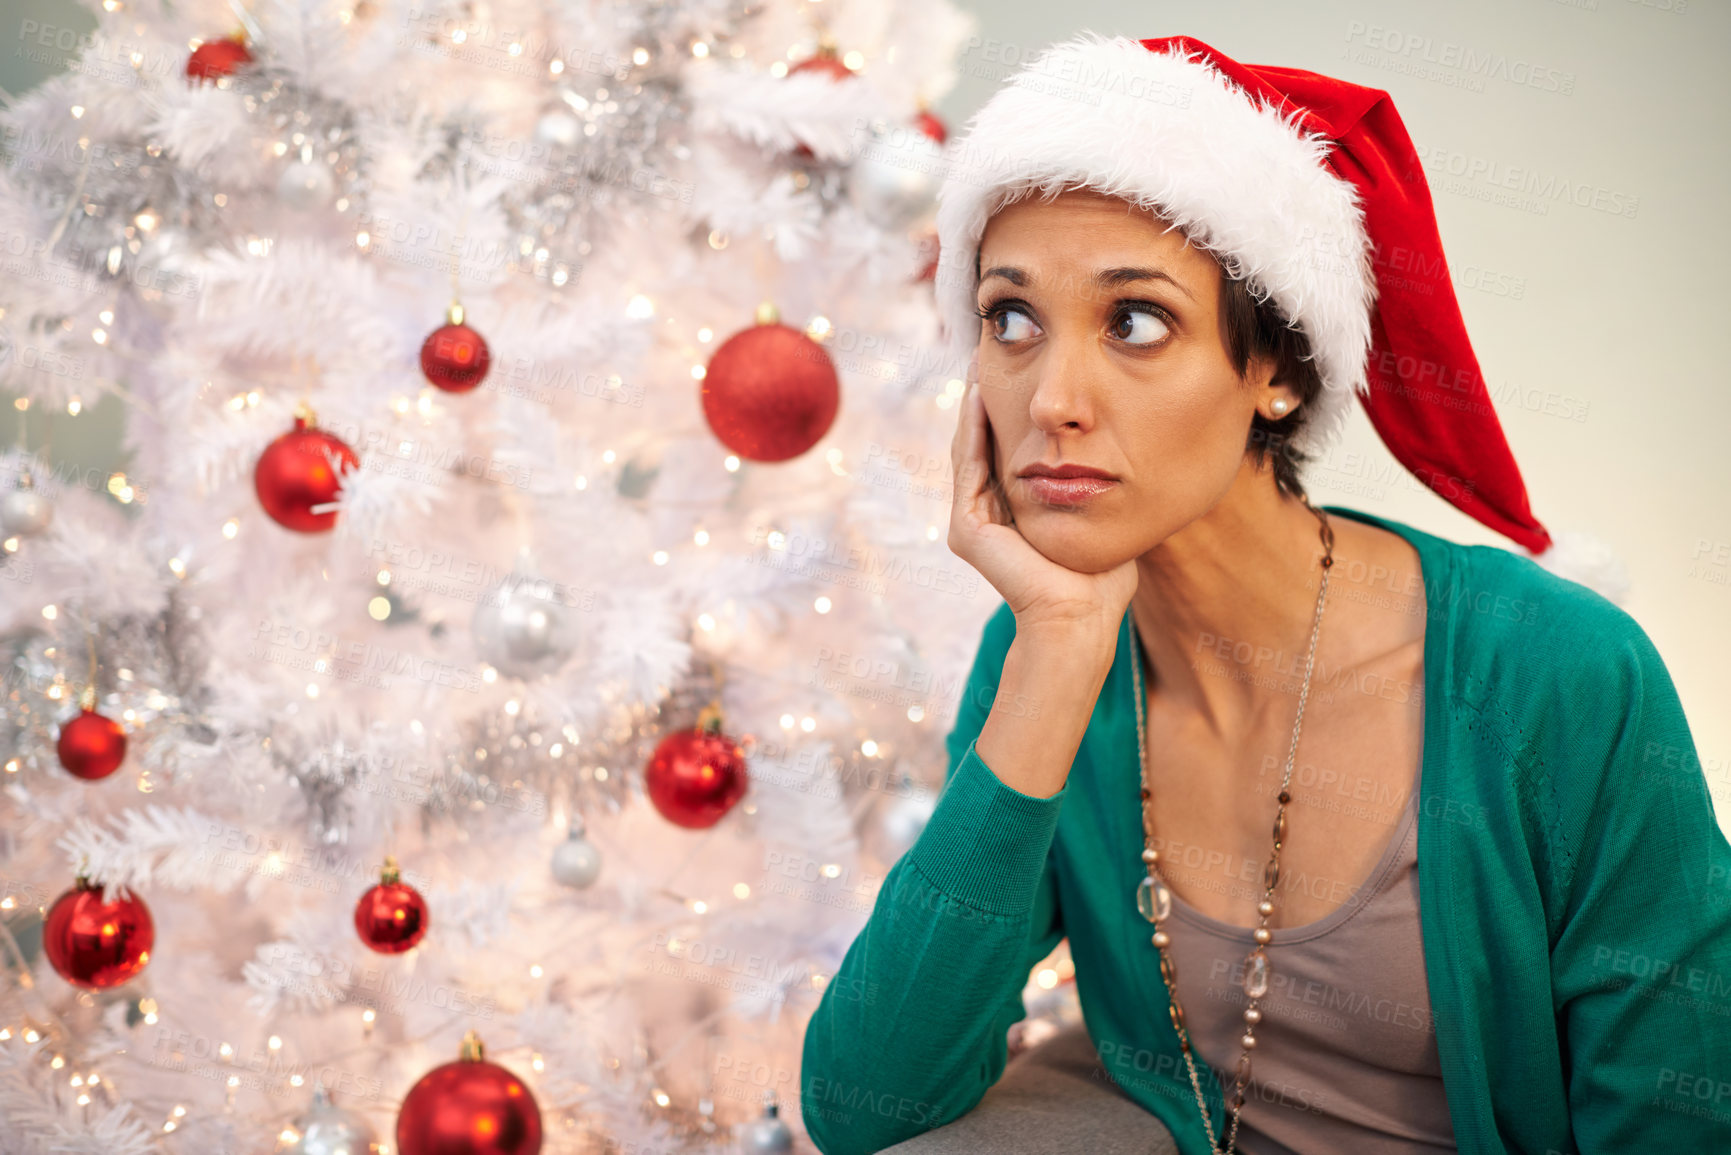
pixel 969 455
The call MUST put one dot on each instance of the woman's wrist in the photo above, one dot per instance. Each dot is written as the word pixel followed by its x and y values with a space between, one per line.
pixel 1046 694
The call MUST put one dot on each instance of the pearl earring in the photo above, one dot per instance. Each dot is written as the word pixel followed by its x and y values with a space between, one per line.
pixel 1279 406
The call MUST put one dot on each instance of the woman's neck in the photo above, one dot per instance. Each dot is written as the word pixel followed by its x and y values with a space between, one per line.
pixel 1224 606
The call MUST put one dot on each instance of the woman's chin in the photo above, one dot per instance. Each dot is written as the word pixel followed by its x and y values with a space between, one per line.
pixel 1074 541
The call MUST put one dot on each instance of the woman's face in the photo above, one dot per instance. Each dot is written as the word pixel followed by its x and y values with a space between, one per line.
pixel 1102 347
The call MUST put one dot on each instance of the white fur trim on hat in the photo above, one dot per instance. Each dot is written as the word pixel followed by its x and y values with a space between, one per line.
pixel 1170 133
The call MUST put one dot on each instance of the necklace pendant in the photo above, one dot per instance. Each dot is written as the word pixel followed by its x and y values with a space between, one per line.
pixel 1154 900
pixel 1256 974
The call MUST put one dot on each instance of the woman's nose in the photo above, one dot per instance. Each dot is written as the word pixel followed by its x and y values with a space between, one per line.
pixel 1063 387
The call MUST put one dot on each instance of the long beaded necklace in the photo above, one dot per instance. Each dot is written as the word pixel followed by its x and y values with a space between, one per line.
pixel 1154 899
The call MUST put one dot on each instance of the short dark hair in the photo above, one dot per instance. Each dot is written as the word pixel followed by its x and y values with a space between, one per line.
pixel 1255 328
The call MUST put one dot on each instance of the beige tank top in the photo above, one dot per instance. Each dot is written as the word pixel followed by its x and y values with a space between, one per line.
pixel 1346 1056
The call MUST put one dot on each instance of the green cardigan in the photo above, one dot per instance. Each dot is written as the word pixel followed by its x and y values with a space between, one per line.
pixel 1574 890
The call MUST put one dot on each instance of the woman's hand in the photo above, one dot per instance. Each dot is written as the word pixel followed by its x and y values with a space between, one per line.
pixel 1041 593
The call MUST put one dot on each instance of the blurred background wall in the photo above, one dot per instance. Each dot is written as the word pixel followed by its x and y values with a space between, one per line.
pixel 1599 318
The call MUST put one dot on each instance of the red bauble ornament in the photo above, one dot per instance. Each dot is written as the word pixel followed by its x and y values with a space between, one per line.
pixel 392 916
pixel 934 128
pixel 454 357
pixel 695 776
pixel 469 1107
pixel 95 944
pixel 770 392
pixel 91 746
pixel 215 59
pixel 825 63
pixel 299 471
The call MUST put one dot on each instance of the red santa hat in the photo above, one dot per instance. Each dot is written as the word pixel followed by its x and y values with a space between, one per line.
pixel 1308 187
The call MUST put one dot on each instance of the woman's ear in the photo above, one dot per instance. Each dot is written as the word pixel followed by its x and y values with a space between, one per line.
pixel 1277 397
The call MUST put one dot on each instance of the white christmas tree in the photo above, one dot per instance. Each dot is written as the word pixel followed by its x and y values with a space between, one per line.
pixel 448 504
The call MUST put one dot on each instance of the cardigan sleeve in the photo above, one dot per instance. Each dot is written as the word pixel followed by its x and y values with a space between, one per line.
pixel 910 1033
pixel 1641 967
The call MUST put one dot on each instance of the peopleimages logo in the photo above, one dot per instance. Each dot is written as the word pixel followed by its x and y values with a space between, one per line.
pixel 1480 63
pixel 839 563
pixel 1531 190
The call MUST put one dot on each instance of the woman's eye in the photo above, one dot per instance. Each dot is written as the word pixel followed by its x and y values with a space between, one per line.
pixel 1013 325
pixel 1139 327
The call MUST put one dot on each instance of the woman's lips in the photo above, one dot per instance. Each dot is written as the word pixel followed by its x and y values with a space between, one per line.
pixel 1067 490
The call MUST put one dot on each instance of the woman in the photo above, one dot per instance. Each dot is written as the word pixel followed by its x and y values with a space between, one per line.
pixel 1363 840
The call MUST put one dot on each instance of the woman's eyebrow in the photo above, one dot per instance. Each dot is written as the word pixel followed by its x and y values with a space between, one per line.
pixel 1112 278
pixel 1009 272
pixel 1105 278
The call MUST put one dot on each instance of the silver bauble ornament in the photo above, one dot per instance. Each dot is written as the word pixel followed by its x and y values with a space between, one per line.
pixel 526 625
pixel 894 180
pixel 24 512
pixel 305 184
pixel 767 1133
pixel 576 861
pixel 327 1129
